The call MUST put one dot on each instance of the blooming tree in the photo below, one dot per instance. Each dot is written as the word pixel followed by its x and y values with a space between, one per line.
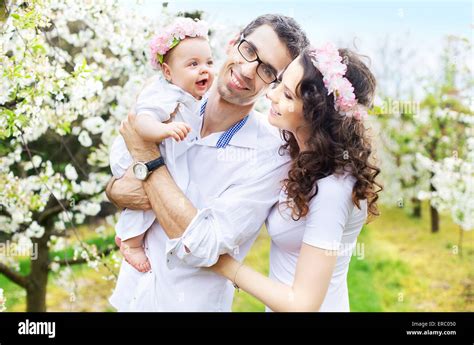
pixel 453 179
pixel 397 138
pixel 443 125
pixel 396 108
pixel 438 130
pixel 70 71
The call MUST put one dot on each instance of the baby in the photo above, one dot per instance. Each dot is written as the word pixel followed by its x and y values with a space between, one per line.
pixel 182 53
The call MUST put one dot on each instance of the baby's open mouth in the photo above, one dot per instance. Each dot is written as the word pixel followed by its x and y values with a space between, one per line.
pixel 202 83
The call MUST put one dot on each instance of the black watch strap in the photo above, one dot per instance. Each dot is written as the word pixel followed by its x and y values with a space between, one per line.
pixel 155 164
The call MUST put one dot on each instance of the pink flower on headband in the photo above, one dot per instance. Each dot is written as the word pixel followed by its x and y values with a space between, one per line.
pixel 172 35
pixel 328 61
pixel 359 112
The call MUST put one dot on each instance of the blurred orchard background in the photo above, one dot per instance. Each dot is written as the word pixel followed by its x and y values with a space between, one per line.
pixel 70 71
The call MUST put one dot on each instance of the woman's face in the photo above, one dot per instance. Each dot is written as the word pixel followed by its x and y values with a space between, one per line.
pixel 286 111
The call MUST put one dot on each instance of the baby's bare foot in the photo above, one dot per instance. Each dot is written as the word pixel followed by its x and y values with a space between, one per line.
pixel 136 257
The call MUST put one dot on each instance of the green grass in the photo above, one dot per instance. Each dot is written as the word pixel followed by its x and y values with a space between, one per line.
pixel 404 267
pixel 360 281
pixel 259 259
pixel 16 296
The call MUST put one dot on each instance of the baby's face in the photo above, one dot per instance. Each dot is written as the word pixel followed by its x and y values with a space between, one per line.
pixel 189 66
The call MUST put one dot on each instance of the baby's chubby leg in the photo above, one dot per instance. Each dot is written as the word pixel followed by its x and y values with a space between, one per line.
pixel 134 253
pixel 152 130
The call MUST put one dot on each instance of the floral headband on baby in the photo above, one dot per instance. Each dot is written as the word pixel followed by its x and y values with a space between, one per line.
pixel 172 35
pixel 328 61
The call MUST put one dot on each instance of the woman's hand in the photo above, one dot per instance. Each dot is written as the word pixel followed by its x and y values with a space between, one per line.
pixel 140 149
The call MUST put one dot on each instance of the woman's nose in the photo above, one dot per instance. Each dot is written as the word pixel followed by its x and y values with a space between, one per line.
pixel 271 95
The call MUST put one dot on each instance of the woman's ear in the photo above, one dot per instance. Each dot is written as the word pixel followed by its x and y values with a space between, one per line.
pixel 166 70
pixel 232 43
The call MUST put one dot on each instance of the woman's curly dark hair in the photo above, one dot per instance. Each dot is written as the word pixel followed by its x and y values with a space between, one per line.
pixel 336 143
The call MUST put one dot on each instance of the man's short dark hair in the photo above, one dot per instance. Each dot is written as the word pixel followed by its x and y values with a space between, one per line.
pixel 287 29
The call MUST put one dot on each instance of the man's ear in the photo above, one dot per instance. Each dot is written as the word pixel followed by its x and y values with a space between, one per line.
pixel 166 70
pixel 232 43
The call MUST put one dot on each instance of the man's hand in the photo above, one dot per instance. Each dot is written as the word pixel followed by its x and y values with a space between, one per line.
pixel 140 149
pixel 128 192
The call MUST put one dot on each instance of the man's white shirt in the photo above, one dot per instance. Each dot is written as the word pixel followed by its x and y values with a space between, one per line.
pixel 233 178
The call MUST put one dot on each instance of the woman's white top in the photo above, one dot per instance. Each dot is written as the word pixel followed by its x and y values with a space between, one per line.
pixel 333 223
pixel 159 99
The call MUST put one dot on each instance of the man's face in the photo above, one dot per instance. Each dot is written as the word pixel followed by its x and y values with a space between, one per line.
pixel 238 81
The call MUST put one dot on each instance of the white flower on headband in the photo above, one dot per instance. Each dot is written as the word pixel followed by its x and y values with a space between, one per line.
pixel 328 61
pixel 172 35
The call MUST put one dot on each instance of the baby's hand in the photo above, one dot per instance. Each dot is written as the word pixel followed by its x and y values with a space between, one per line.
pixel 177 130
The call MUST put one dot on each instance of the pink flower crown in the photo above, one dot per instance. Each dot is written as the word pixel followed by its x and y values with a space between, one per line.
pixel 328 61
pixel 172 35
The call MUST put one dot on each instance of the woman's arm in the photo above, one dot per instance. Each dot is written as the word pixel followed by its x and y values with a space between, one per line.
pixel 313 274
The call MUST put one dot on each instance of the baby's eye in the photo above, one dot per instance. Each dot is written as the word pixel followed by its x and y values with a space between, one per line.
pixel 193 63
pixel 210 63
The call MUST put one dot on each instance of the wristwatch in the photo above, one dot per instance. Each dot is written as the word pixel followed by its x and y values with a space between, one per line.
pixel 142 170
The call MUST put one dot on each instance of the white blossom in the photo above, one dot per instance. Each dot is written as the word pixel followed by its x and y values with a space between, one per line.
pixel 95 125
pixel 71 172
pixel 55 266
pixel 89 208
pixel 35 230
pixel 85 139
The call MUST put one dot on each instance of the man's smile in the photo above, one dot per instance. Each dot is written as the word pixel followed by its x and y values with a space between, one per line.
pixel 237 82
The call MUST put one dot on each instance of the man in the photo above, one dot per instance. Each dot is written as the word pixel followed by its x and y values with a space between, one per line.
pixel 232 183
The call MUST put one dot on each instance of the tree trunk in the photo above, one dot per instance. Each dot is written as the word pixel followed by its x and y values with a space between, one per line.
pixel 434 219
pixel 461 231
pixel 4 6
pixel 38 278
pixel 416 212
pixel 434 212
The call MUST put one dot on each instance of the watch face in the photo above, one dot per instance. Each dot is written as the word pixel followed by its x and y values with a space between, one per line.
pixel 140 171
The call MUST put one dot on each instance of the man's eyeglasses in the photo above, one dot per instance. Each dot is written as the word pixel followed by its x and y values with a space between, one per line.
pixel 264 71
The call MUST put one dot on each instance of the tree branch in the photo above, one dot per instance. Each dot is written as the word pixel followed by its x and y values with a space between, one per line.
pixel 79 261
pixel 13 276
pixel 49 212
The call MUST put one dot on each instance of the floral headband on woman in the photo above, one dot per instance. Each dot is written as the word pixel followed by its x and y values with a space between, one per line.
pixel 328 61
pixel 172 35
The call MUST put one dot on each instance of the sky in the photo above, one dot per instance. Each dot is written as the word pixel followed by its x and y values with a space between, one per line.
pixel 337 18
pixel 419 25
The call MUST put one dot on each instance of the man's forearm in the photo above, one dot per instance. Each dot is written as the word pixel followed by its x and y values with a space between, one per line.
pixel 172 208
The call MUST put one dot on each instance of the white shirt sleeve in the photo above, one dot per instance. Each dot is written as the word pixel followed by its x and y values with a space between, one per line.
pixel 231 219
pixel 119 157
pixel 158 99
pixel 329 212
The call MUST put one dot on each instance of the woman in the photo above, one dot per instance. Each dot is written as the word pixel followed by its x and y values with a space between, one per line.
pixel 330 190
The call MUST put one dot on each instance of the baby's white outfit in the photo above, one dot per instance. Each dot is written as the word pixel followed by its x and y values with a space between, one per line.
pixel 159 98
